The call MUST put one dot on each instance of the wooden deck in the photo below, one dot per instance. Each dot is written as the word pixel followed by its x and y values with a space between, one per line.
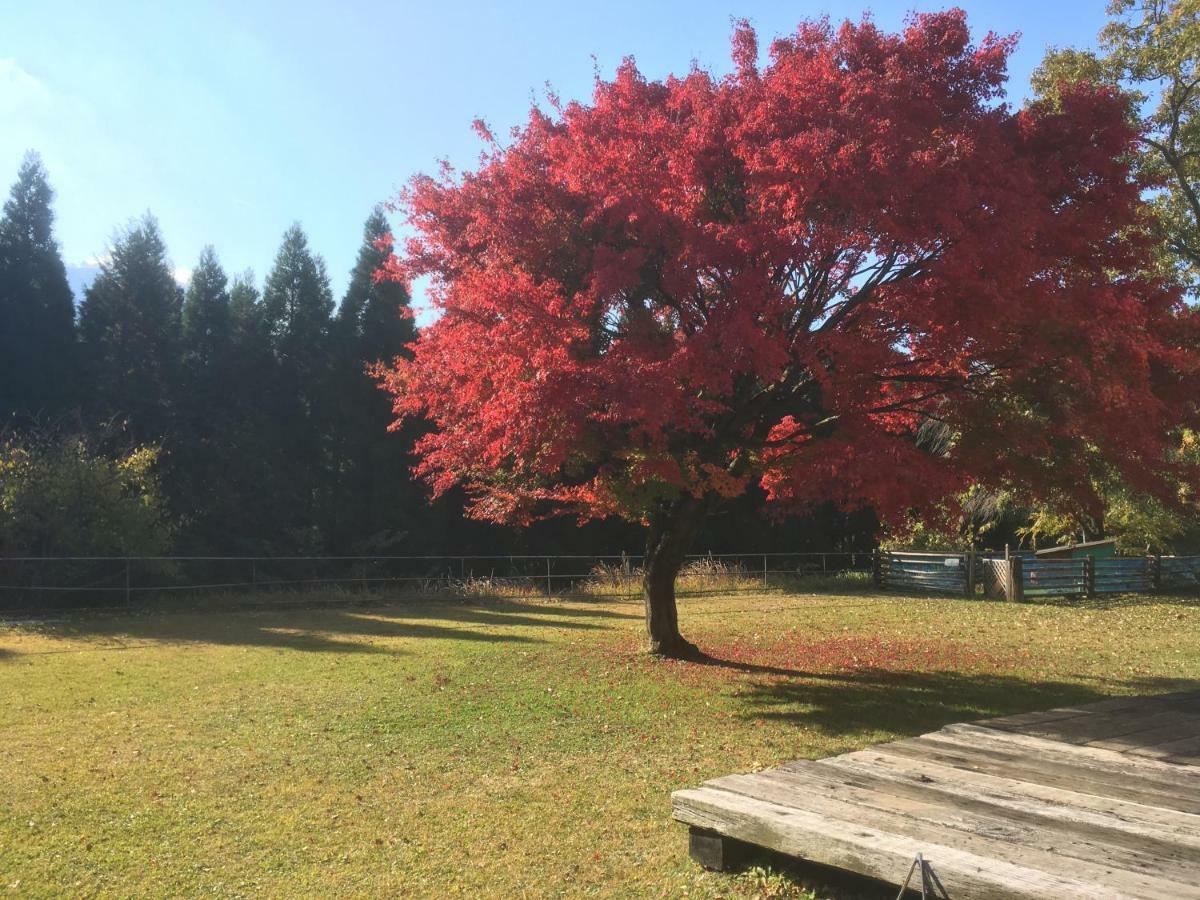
pixel 1096 801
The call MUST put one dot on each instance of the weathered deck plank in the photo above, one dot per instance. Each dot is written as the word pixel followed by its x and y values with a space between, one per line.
pixel 1088 801
pixel 855 848
pixel 949 825
pixel 1027 796
pixel 1133 785
pixel 1102 756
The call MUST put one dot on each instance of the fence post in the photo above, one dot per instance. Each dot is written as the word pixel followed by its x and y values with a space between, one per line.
pixel 1156 572
pixel 549 590
pixel 1089 576
pixel 877 567
pixel 254 573
pixel 1015 588
pixel 970 561
pixel 764 570
pixel 127 581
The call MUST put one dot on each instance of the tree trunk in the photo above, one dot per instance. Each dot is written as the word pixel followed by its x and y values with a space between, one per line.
pixel 670 536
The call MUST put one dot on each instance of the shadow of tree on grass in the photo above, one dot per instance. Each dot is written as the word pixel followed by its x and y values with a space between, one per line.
pixel 356 629
pixel 915 702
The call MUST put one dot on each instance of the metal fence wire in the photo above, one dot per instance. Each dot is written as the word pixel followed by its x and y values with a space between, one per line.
pixel 108 581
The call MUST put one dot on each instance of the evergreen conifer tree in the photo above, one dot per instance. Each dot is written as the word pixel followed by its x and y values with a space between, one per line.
pixel 129 324
pixel 206 324
pixel 250 497
pixel 197 471
pixel 376 313
pixel 37 311
pixel 297 305
pixel 376 499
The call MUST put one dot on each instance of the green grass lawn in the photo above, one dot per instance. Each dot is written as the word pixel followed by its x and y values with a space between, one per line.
pixel 501 748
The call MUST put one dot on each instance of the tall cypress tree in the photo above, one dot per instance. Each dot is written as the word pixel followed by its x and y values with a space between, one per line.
pixel 375 314
pixel 204 451
pixel 129 325
pixel 253 497
pixel 206 324
pixel 37 311
pixel 297 304
pixel 376 500
pixel 245 308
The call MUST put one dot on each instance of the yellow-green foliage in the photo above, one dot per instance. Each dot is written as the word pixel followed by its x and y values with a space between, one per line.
pixel 916 535
pixel 59 497
pixel 1137 522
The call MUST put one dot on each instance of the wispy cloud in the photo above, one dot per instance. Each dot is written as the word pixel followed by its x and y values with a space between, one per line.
pixel 19 90
pixel 93 264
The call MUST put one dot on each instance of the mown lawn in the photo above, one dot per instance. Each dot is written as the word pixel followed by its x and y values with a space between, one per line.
pixel 500 748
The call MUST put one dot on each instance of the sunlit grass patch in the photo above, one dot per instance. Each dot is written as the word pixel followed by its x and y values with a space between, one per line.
pixel 499 746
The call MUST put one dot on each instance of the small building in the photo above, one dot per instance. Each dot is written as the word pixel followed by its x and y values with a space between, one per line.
pixel 1095 549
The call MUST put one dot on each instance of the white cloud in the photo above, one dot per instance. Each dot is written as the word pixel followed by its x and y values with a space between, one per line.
pixel 181 274
pixel 19 90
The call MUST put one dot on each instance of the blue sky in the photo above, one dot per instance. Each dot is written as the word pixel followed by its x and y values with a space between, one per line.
pixel 230 120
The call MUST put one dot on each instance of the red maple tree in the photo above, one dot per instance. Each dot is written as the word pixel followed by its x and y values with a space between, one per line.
pixel 852 275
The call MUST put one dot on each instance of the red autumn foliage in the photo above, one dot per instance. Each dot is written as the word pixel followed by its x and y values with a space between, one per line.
pixel 852 275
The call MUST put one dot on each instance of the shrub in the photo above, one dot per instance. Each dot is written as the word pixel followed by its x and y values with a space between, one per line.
pixel 60 496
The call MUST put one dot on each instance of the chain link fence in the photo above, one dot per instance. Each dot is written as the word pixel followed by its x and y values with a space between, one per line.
pixel 46 583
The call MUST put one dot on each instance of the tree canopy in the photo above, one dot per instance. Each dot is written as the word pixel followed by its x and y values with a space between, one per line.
pixel 1150 51
pixel 852 275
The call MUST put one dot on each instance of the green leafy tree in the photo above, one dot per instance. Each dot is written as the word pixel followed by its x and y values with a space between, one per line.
pixel 1138 522
pixel 977 519
pixel 1150 50
pixel 37 311
pixel 129 324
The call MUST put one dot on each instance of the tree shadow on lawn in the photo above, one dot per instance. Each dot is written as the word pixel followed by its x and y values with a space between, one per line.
pixel 325 629
pixel 911 702
pixel 1116 601
pixel 503 609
